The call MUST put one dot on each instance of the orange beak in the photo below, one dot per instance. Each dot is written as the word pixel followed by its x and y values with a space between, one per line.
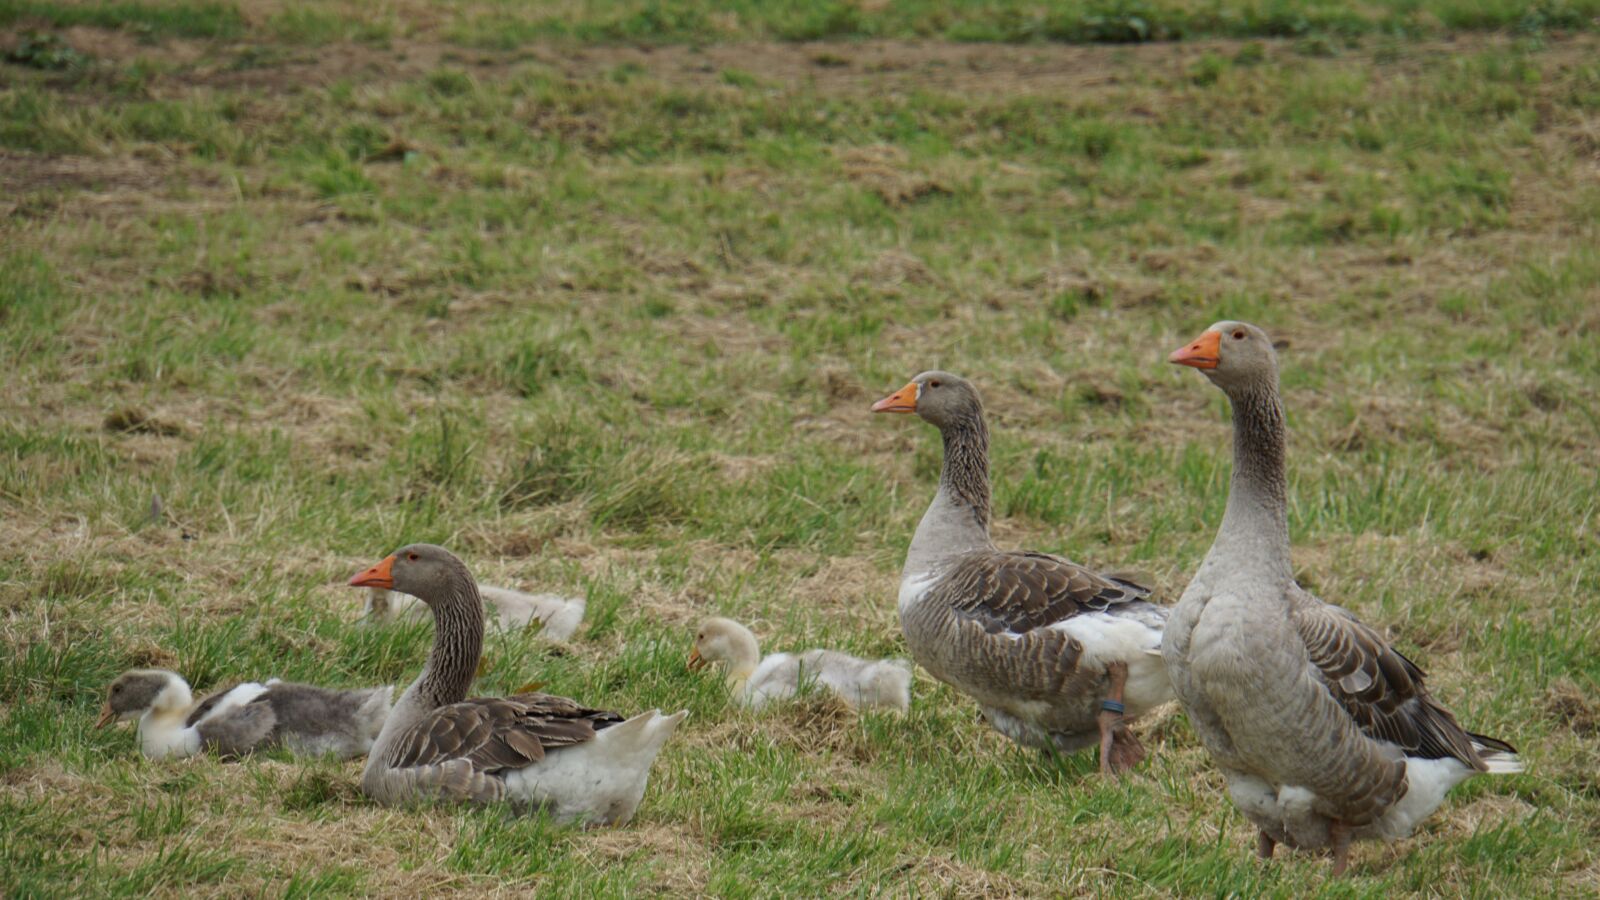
pixel 696 661
pixel 107 716
pixel 901 401
pixel 379 576
pixel 1204 352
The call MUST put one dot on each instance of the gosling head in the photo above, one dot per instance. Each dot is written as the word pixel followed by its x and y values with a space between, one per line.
pixel 138 691
pixel 727 643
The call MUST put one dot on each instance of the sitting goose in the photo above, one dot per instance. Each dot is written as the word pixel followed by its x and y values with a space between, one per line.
pixel 558 616
pixel 1057 656
pixel 531 750
pixel 755 681
pixel 1324 731
pixel 305 719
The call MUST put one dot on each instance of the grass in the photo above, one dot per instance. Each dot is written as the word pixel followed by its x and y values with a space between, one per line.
pixel 609 322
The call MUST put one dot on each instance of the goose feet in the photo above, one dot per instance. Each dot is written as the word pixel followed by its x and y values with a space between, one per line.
pixel 1265 845
pixel 1119 749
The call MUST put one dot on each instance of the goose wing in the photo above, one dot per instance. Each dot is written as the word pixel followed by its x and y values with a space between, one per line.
pixel 1377 686
pixel 239 730
pixel 494 734
pixel 1021 592
pixel 204 707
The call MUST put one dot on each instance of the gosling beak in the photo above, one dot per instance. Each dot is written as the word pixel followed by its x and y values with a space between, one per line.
pixel 1201 353
pixel 696 661
pixel 107 716
pixel 379 576
pixel 901 401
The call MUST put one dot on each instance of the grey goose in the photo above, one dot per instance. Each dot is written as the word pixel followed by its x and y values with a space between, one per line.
pixel 1324 731
pixel 1058 656
pixel 531 750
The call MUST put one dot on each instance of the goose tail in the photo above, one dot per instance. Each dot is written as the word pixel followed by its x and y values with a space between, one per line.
pixel 1499 757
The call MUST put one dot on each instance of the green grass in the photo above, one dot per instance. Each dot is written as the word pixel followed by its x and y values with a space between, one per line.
pixel 506 25
pixel 610 324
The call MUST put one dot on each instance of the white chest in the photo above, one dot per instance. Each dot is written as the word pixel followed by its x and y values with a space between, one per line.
pixel 161 737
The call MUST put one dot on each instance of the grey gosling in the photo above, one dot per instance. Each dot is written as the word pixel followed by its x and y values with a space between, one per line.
pixel 755 682
pixel 305 719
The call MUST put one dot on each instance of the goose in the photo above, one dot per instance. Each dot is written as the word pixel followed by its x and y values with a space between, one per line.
pixel 755 681
pixel 1324 731
pixel 305 719
pixel 531 750
pixel 1057 656
pixel 558 616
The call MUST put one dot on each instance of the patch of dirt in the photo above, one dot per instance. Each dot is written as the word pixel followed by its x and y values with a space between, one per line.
pixel 132 420
pixel 1574 707
pixel 22 173
pixel 892 269
pixel 882 170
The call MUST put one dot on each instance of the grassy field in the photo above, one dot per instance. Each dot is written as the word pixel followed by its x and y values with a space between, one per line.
pixel 599 299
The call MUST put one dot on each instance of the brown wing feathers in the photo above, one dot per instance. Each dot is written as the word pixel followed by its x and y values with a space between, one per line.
pixel 494 734
pixel 1379 688
pixel 1020 592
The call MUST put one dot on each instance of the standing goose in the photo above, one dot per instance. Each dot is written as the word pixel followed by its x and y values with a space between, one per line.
pixel 1324 732
pixel 861 683
pixel 558 616
pixel 1057 656
pixel 305 719
pixel 531 750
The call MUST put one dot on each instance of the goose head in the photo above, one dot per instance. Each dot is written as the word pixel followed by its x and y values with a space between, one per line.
pixel 1232 354
pixel 727 643
pixel 940 398
pixel 139 691
pixel 425 571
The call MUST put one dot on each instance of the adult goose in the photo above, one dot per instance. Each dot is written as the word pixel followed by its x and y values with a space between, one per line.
pixel 1324 731
pixel 558 616
pixel 1056 655
pixel 755 682
pixel 305 719
pixel 531 750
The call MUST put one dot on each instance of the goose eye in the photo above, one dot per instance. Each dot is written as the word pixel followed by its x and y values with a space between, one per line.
pixel 1238 335
pixel 411 556
pixel 934 383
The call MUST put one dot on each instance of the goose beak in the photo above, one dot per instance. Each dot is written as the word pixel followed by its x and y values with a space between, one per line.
pixel 379 576
pixel 107 716
pixel 696 661
pixel 1204 352
pixel 901 401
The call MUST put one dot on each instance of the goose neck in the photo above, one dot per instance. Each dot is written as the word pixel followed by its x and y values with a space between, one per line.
pixel 1255 527
pixel 957 521
pixel 744 655
pixel 965 474
pixel 452 664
